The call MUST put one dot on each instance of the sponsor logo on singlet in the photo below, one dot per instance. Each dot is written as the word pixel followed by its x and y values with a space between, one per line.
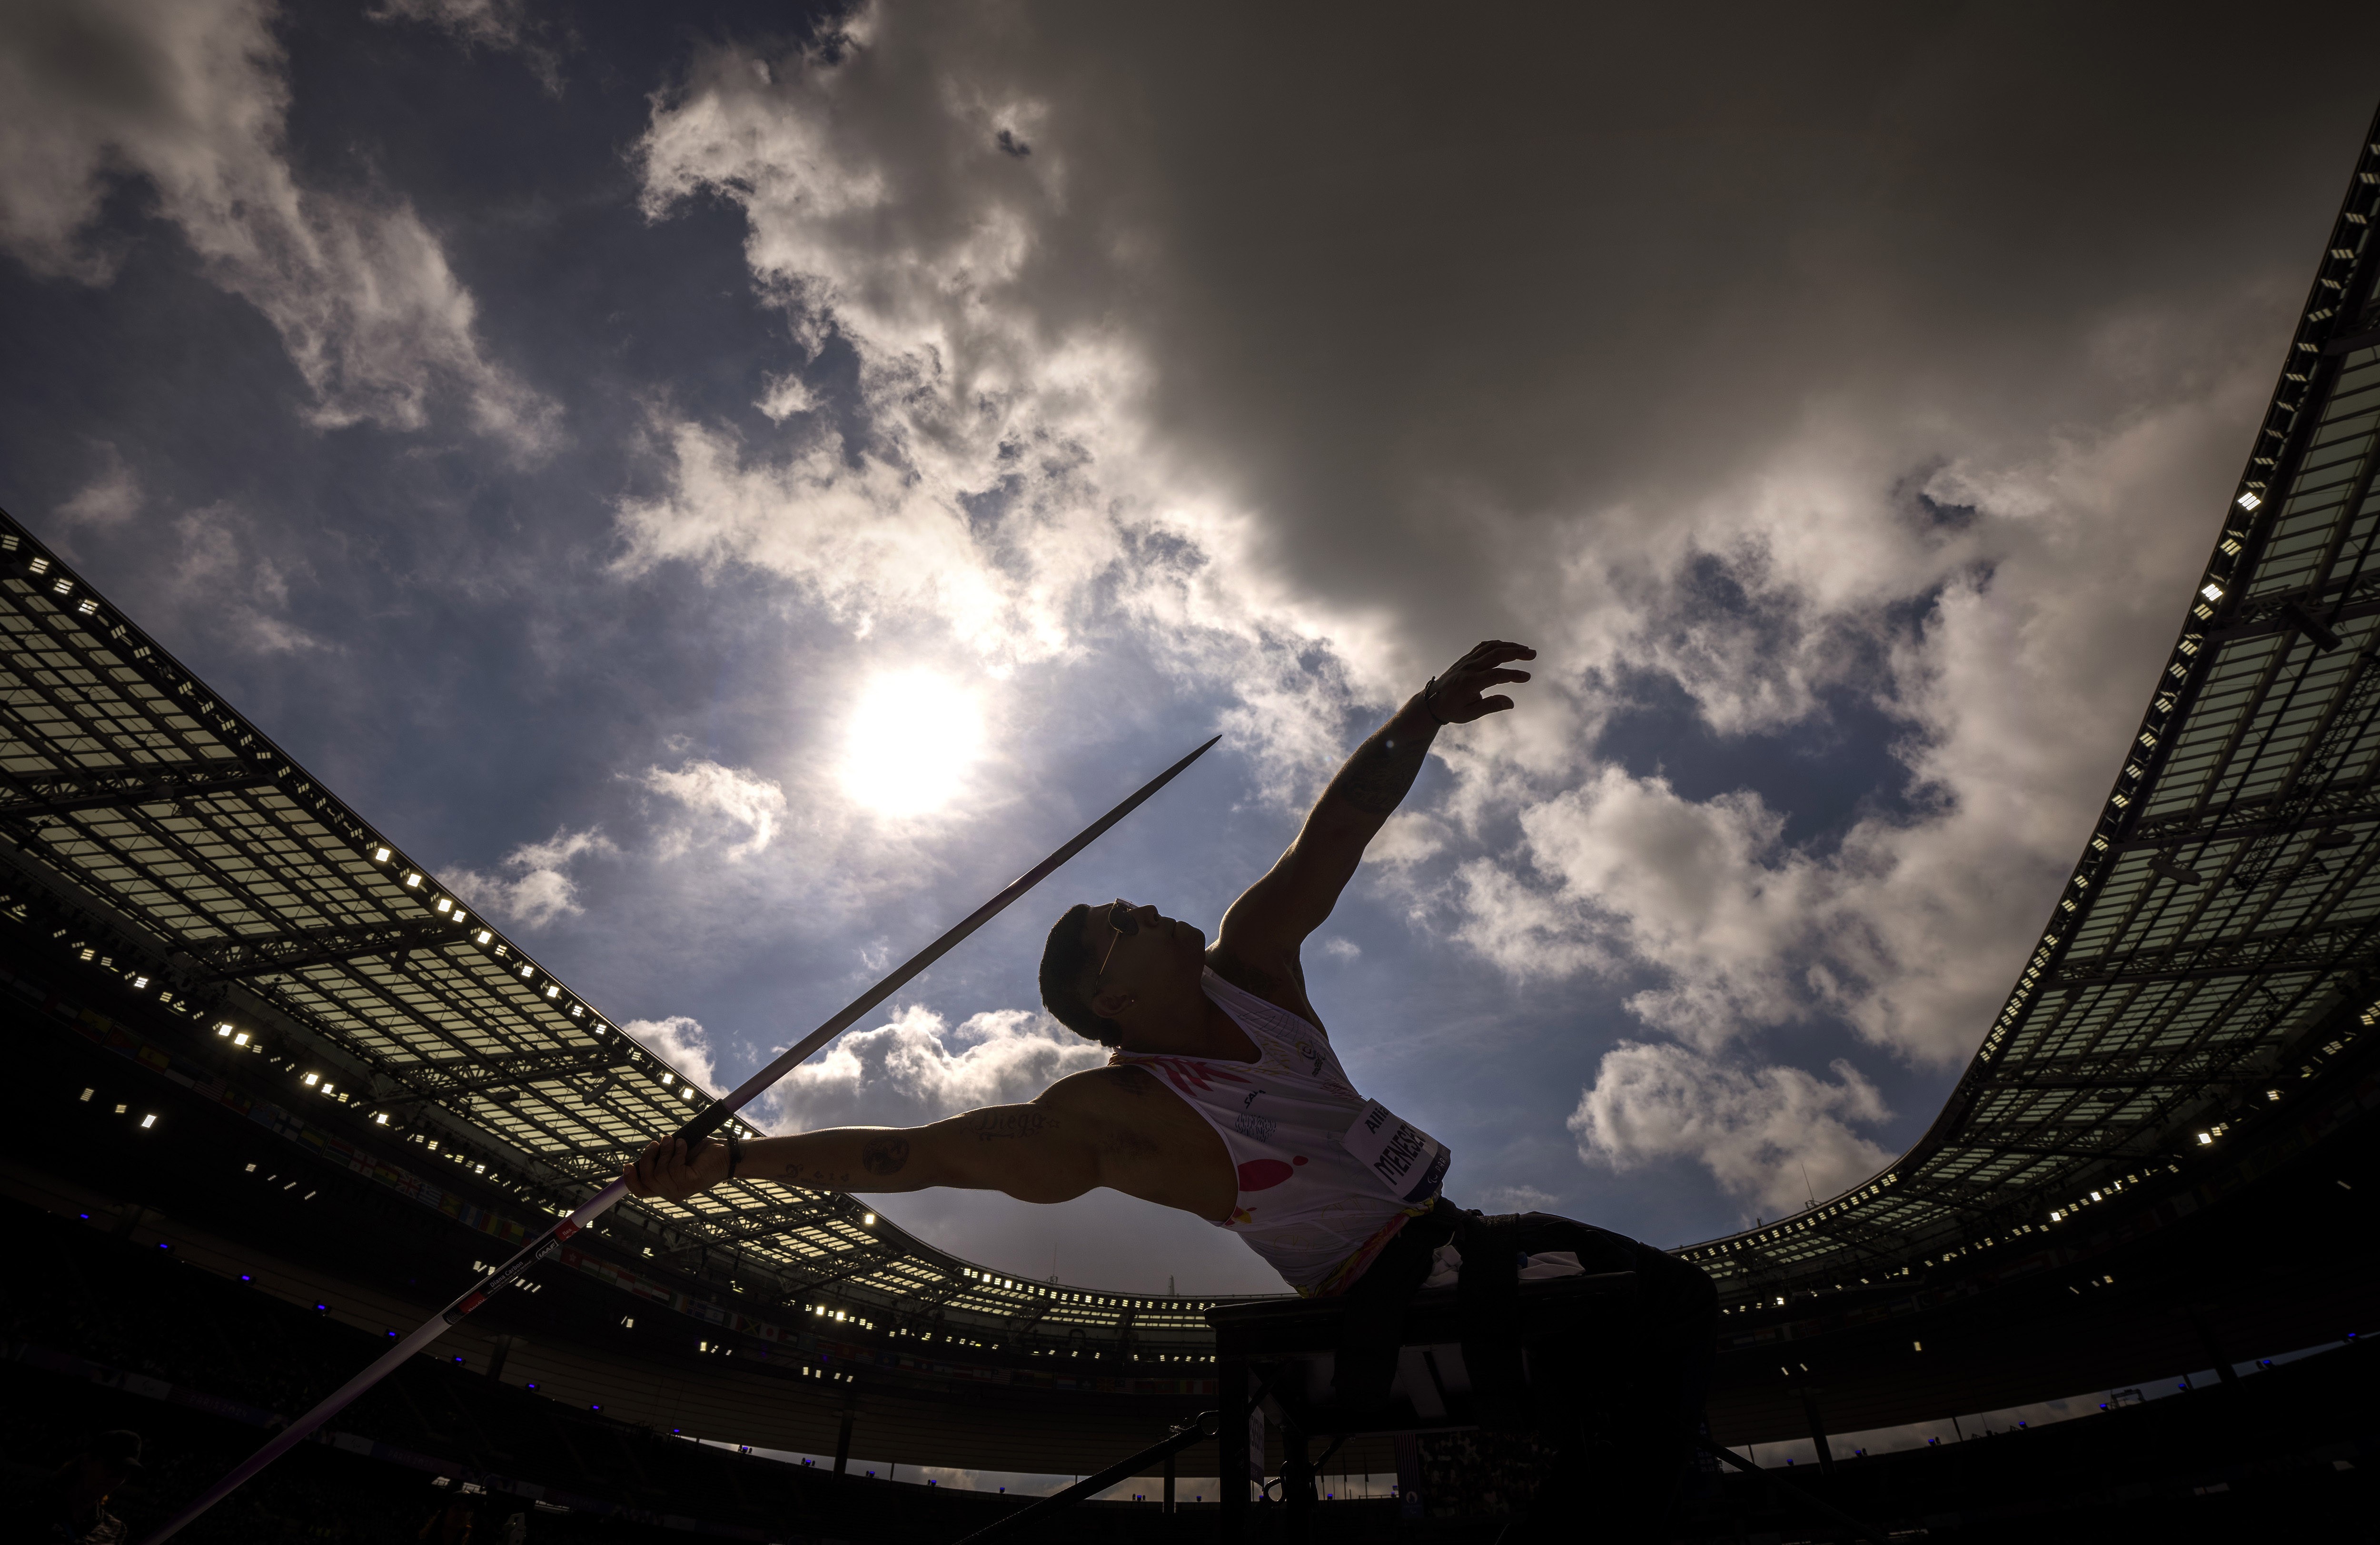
pixel 1406 1160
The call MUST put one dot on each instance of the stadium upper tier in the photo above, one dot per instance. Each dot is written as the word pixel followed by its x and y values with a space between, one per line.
pixel 2206 961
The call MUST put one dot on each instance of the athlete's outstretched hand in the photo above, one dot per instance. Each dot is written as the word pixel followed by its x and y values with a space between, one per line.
pixel 666 1170
pixel 1456 697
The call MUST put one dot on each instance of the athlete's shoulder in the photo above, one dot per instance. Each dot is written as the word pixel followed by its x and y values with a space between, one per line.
pixel 1281 983
pixel 1097 1091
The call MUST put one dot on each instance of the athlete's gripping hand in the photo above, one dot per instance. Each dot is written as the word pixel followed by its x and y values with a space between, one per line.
pixel 666 1170
pixel 1455 700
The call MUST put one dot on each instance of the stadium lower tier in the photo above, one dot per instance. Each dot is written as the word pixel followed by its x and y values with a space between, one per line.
pixel 105 1332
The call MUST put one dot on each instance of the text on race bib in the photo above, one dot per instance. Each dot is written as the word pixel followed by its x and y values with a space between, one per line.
pixel 1406 1160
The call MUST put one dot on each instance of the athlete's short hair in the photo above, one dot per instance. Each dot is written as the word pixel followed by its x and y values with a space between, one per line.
pixel 1066 961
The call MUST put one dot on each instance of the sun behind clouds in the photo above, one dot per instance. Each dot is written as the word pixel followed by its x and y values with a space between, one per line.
pixel 913 737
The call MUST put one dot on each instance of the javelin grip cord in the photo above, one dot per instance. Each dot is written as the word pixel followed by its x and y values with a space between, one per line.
pixel 695 1131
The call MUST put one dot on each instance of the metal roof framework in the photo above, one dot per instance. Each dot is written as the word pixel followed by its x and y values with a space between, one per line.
pixel 2218 936
pixel 175 841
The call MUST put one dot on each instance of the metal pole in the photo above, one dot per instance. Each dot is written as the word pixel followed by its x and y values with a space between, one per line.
pixel 1201 1428
pixel 1232 1479
pixel 692 1132
pixel 1818 1432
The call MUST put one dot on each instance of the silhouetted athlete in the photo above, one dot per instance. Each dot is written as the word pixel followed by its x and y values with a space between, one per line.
pixel 1224 1097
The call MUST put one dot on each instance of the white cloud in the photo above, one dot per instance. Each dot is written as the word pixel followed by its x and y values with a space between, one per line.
pixel 786 395
pixel 1703 891
pixel 487 23
pixel 227 582
pixel 864 541
pixel 109 499
pixel 1910 926
pixel 916 1068
pixel 755 804
pixel 1757 1130
pixel 502 26
pixel 191 99
pixel 531 887
pixel 683 1044
pixel 1518 1199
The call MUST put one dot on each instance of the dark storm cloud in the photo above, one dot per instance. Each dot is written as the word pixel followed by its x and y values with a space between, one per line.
pixel 1414 282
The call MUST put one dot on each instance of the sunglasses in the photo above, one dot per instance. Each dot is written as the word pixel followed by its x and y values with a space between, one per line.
pixel 1119 918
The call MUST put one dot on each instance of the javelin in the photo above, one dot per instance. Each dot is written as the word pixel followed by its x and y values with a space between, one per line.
pixel 692 1132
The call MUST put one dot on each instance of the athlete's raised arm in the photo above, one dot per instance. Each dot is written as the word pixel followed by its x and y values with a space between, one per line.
pixel 1258 943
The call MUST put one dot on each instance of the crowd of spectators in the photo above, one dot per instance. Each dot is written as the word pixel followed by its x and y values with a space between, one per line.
pixel 1481 1473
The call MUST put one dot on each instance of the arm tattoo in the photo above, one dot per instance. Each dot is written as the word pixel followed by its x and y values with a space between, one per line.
pixel 1382 771
pixel 885 1155
pixel 1025 1123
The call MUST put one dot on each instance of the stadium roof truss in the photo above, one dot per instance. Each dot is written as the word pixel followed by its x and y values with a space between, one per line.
pixel 177 843
pixel 2226 908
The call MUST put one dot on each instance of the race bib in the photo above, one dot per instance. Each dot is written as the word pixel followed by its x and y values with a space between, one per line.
pixel 1407 1161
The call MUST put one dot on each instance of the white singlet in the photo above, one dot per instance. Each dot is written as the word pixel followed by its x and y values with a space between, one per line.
pixel 1327 1177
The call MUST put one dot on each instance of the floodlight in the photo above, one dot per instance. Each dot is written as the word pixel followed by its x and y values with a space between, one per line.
pixel 2249 501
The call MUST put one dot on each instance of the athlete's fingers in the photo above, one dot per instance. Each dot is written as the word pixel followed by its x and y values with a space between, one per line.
pixel 1496 652
pixel 1497 704
pixel 638 1173
pixel 1489 677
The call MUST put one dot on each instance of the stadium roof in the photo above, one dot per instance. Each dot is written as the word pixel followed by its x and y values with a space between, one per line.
pixel 2225 908
pixel 207 866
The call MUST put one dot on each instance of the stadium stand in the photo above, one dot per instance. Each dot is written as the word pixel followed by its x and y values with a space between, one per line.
pixel 277 1093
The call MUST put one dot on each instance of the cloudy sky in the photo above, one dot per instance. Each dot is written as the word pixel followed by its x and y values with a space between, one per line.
pixel 730 487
